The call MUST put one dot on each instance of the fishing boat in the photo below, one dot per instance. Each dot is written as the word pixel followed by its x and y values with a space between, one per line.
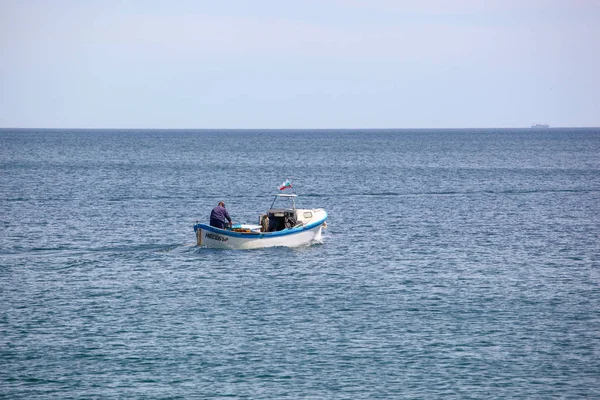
pixel 280 226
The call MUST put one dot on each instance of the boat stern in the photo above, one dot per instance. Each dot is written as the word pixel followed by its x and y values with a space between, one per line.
pixel 198 231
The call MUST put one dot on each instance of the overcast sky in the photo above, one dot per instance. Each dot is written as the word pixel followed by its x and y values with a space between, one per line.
pixel 299 64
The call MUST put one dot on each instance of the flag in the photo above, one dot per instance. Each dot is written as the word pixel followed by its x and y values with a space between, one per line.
pixel 286 184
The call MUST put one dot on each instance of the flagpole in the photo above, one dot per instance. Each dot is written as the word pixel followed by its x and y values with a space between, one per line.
pixel 293 192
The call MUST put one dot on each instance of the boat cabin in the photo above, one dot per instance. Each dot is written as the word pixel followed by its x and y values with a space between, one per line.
pixel 283 214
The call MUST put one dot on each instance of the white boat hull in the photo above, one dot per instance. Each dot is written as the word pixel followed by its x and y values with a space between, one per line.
pixel 210 236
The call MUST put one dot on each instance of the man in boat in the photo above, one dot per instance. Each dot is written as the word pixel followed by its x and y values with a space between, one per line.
pixel 219 216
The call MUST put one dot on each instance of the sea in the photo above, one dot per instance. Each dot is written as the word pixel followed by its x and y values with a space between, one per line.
pixel 456 264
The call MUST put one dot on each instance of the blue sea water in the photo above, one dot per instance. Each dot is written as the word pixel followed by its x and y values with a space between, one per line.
pixel 456 264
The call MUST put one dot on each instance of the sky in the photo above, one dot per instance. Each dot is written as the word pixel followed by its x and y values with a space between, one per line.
pixel 272 64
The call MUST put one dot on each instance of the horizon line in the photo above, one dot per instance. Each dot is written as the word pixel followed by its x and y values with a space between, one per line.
pixel 291 129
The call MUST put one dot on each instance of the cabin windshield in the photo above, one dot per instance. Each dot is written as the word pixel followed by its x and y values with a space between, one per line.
pixel 283 201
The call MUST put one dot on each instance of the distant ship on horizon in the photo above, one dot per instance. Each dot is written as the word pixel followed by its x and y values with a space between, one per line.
pixel 539 126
